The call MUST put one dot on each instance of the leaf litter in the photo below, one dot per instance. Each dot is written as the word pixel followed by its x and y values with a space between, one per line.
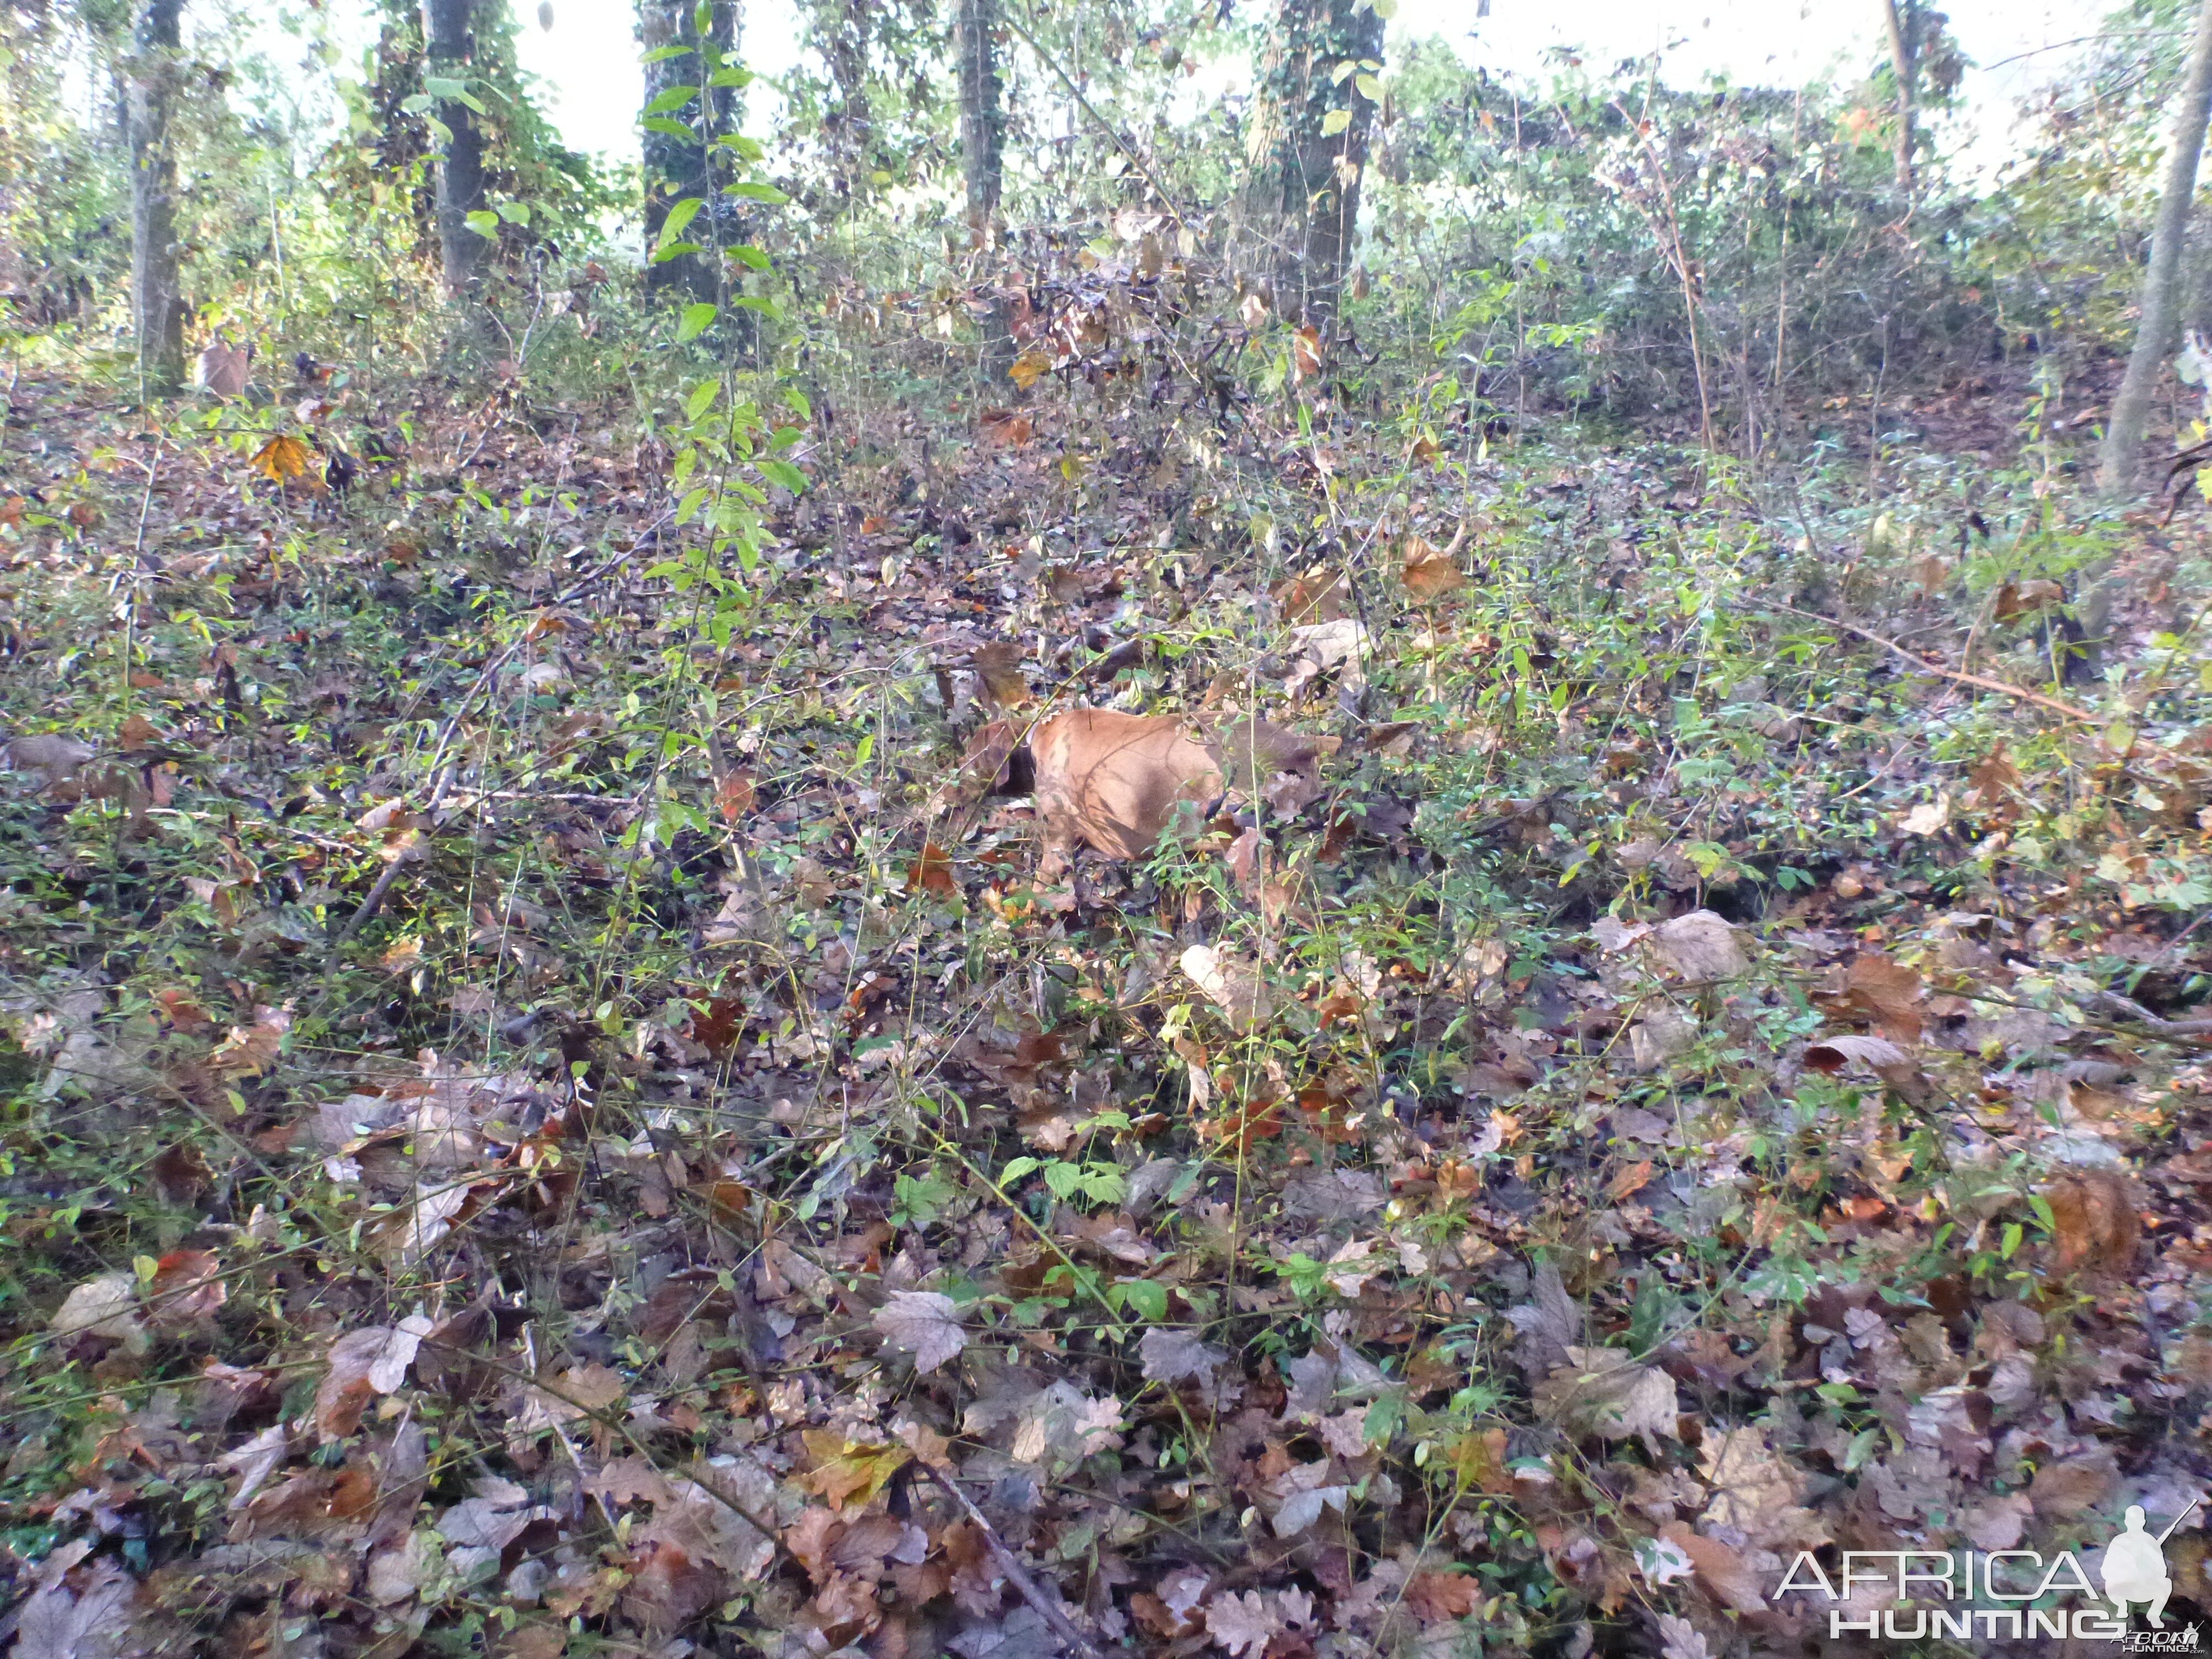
pixel 1275 1151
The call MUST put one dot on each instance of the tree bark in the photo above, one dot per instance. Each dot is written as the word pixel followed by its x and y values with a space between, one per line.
pixel 449 49
pixel 679 168
pixel 2119 463
pixel 1304 200
pixel 982 155
pixel 1903 18
pixel 156 306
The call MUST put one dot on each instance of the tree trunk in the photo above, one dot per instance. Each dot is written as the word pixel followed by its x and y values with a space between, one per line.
pixel 156 307
pixel 1903 18
pixel 982 155
pixel 2119 464
pixel 1304 195
pixel 449 49
pixel 679 168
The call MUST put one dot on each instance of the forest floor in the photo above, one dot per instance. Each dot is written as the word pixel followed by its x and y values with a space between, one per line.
pixel 533 1127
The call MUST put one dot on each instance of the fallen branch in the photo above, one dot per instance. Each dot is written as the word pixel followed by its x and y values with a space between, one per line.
pixel 1042 1606
pixel 2177 1030
pixel 2005 687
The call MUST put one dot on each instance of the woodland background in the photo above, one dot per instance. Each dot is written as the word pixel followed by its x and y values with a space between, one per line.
pixel 597 1056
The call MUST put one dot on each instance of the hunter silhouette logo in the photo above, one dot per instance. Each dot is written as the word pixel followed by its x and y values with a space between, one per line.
pixel 2135 1566
pixel 2014 1594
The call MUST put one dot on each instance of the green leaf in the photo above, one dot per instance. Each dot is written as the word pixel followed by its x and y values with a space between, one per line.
pixel 690 505
pixel 439 132
pixel 863 751
pixel 746 254
pixel 668 251
pixel 1383 1420
pixel 731 77
pixel 418 104
pixel 702 398
pixel 516 213
pixel 674 99
pixel 796 399
pixel 1145 1297
pixel 483 223
pixel 662 124
pixel 678 216
pixel 751 149
pixel 1335 122
pixel 1063 1178
pixel 1103 1183
pixel 784 473
pixel 693 321
pixel 1015 1170
pixel 662 54
pixel 450 89
pixel 1370 88
pixel 757 192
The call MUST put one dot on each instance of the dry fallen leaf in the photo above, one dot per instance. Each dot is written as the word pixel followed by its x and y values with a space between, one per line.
pixel 1241 1624
pixel 1604 1392
pixel 848 1472
pixel 1430 573
pixel 1680 1639
pixel 998 665
pixel 1833 1053
pixel 252 1050
pixel 106 1306
pixel 1170 1355
pixel 924 1323
pixel 364 1364
pixel 1234 987
pixel 283 456
pixel 931 872
pixel 2096 1226
pixel 1928 818
pixel 187 1285
pixel 1700 946
pixel 90 1620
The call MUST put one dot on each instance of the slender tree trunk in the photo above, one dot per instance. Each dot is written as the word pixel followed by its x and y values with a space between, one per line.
pixel 1309 147
pixel 449 51
pixel 156 306
pixel 1903 18
pixel 982 155
pixel 679 168
pixel 2119 464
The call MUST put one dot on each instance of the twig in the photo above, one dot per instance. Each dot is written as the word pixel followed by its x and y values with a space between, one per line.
pixel 1104 125
pixel 1044 1607
pixel 374 901
pixel 2179 1030
pixel 1922 663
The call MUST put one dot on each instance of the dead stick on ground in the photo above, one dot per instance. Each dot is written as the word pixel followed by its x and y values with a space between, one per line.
pixel 1922 663
pixel 1062 1626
